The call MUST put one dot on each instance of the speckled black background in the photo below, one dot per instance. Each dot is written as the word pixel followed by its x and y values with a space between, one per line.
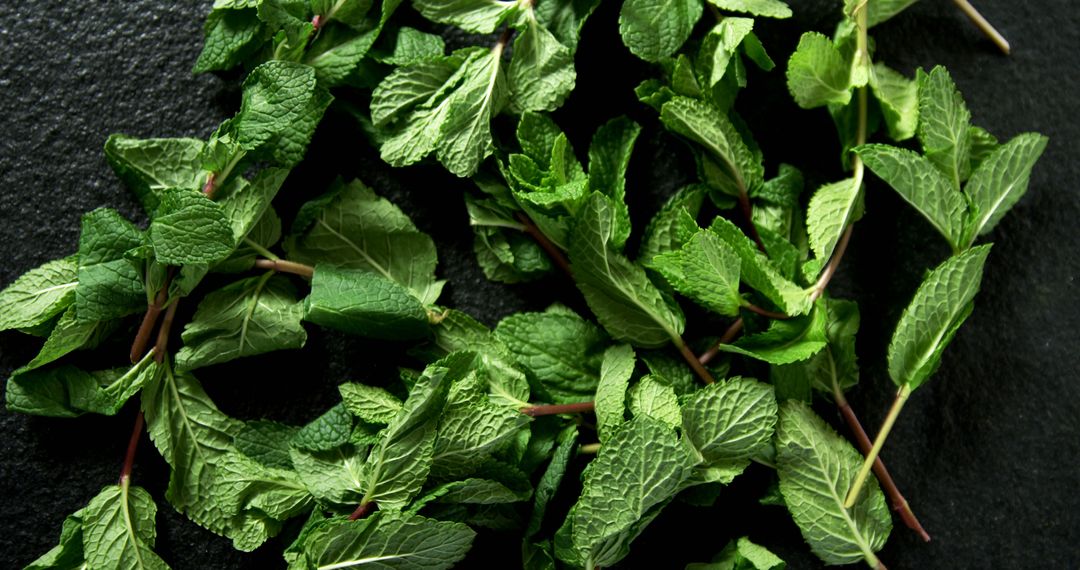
pixel 986 453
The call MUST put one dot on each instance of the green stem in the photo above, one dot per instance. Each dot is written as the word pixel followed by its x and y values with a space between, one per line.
pixel 284 266
pixel 984 26
pixel 260 249
pixel 589 449
pixel 879 442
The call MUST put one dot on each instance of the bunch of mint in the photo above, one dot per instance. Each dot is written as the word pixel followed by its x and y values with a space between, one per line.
pixel 571 431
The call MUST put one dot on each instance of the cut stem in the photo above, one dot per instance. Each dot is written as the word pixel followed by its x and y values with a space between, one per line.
pixel 589 449
pixel 693 361
pixel 886 427
pixel 899 503
pixel 547 245
pixel 984 26
pixel 283 266
pixel 162 345
pixel 365 508
pixel 556 409
pixel 133 445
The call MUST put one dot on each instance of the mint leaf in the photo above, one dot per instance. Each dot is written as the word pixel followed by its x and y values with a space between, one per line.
pixel 331 429
pixel 834 367
pixel 920 184
pixel 637 471
pixel 785 341
pixel 999 182
pixel 559 350
pixel 109 286
pixel 944 122
pixel 615 373
pixel 477 16
pixel 898 98
pixel 443 105
pixel 713 130
pixel 232 35
pixel 365 304
pixel 371 404
pixel 541 73
pixel 251 316
pixel 672 226
pixel 878 10
pixel 409 45
pixel 551 480
pixel 619 292
pixel 67 391
pixel 264 494
pixel 729 422
pixel 742 555
pixel 399 463
pixel 351 227
pixel 149 166
pixel 188 228
pixel 706 270
pixel 386 541
pixel 655 29
pixel 816 468
pixel 471 428
pixel 118 529
pixel 832 209
pixel 69 335
pixel 767 8
pixel 817 73
pixel 39 294
pixel 68 554
pixel 266 442
pixel 759 272
pixel 720 45
pixel 609 158
pixel 281 107
pixel 928 324
pixel 654 399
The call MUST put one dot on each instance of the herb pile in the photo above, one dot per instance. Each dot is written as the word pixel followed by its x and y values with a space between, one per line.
pixel 485 429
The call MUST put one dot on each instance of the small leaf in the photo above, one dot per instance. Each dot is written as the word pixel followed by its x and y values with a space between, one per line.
pixel 371 404
pixel 386 541
pixel 39 294
pixel 920 184
pixel 118 530
pixel 707 270
pixel 188 228
pixel 655 29
pixel 767 8
pixel 817 74
pixel 832 209
pixel 654 399
pixel 1000 181
pixel 610 398
pixel 944 122
pixel 940 306
pixel 364 304
pixel 730 422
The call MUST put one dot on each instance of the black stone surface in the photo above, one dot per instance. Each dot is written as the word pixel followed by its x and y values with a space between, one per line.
pixel 986 453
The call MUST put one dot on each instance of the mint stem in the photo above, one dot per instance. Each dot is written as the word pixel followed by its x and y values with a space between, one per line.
pixel 728 336
pixel 133 445
pixel 748 213
pixel 547 245
pixel 162 345
pixel 695 364
pixel 284 266
pixel 984 26
pixel 365 508
pixel 879 442
pixel 142 337
pixel 556 409
pixel 900 504
pixel 765 312
pixel 589 449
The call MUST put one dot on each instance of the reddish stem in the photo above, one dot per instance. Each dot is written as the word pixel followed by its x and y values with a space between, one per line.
pixel 765 312
pixel 363 510
pixel 317 22
pixel 210 187
pixel 162 345
pixel 748 213
pixel 547 245
pixel 900 504
pixel 695 364
pixel 142 338
pixel 556 409
pixel 728 336
pixel 283 266
pixel 133 445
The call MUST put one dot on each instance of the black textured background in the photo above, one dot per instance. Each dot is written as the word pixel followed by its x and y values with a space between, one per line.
pixel 986 453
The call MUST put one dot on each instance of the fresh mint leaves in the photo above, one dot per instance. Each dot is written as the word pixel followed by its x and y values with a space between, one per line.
pixel 571 429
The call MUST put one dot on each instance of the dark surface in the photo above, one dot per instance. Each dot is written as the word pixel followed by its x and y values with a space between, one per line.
pixel 986 453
